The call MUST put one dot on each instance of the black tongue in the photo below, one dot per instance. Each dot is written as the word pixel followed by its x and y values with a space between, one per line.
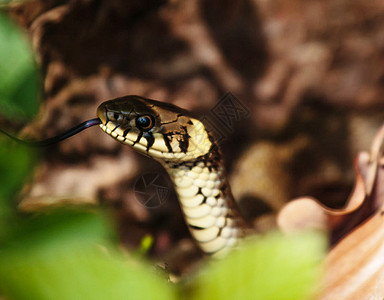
pixel 58 138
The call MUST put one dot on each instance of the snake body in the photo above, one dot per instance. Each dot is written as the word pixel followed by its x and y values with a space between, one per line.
pixel 192 159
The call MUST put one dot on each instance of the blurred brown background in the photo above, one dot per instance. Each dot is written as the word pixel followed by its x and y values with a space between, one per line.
pixel 310 73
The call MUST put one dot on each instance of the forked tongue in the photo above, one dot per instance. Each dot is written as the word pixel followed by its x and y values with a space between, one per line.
pixel 58 138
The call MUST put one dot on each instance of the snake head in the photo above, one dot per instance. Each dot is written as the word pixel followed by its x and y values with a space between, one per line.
pixel 160 130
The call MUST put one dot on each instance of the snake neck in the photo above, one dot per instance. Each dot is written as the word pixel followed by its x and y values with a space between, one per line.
pixel 207 202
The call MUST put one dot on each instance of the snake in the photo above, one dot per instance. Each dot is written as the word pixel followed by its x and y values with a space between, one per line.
pixel 188 151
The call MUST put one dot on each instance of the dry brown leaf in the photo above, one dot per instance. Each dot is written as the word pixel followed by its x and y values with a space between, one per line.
pixel 308 212
pixel 354 268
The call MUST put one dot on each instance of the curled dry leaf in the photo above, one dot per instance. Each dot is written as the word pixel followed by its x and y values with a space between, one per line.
pixel 364 201
pixel 354 268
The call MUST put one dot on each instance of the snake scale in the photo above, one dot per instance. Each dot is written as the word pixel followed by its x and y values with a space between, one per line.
pixel 189 153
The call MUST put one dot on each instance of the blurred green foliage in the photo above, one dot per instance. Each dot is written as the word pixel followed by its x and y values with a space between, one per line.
pixel 18 100
pixel 70 255
pixel 270 267
pixel 19 81
pixel 73 254
pixel 16 163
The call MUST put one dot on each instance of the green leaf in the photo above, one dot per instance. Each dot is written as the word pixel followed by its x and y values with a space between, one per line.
pixel 70 256
pixel 16 163
pixel 18 101
pixel 19 81
pixel 271 267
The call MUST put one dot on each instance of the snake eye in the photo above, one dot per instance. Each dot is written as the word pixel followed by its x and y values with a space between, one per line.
pixel 144 122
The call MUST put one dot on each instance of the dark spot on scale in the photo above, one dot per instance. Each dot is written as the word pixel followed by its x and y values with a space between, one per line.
pixel 167 142
pixel 138 138
pixel 221 229
pixel 150 139
pixel 184 145
pixel 196 227
pixel 126 132
pixel 190 122
pixel 115 128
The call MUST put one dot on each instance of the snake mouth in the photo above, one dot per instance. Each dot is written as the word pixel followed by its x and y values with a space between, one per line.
pixel 151 144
